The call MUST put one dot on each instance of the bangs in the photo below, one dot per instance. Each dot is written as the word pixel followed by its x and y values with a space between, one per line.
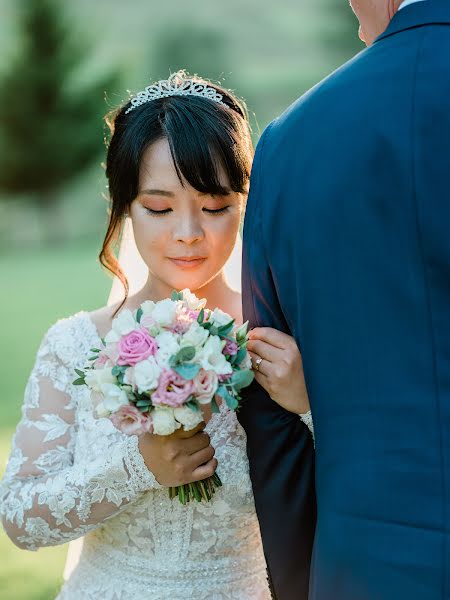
pixel 205 145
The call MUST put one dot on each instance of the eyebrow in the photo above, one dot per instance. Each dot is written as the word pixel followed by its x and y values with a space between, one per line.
pixel 167 194
pixel 158 193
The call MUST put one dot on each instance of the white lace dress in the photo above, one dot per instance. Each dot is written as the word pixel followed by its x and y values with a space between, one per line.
pixel 71 475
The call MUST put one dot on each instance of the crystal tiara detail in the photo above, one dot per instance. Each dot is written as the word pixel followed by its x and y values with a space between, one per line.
pixel 175 86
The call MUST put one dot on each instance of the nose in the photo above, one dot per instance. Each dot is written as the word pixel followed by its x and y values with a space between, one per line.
pixel 189 229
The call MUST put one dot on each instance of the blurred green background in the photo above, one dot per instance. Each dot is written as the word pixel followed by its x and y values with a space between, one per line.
pixel 62 67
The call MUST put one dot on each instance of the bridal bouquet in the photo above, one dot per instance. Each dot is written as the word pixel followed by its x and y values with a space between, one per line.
pixel 160 364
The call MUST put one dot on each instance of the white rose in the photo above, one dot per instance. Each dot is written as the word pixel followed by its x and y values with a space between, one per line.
pixel 164 312
pixel 167 346
pixel 220 318
pixel 124 323
pixel 164 422
pixel 195 336
pixel 146 375
pixel 114 397
pixel 97 377
pixel 211 358
pixel 188 418
pixel 192 301
pixel 147 307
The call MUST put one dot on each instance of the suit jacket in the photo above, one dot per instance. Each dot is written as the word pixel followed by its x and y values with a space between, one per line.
pixel 347 247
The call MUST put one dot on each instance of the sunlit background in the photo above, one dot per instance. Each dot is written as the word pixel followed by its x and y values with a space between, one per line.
pixel 62 67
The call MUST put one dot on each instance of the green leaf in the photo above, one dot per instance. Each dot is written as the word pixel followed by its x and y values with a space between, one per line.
pixel 193 405
pixel 242 379
pixel 214 330
pixel 224 330
pixel 80 373
pixel 185 354
pixel 118 370
pixel 96 350
pixel 79 381
pixel 187 370
pixel 239 357
pixel 214 406
pixel 229 399
pixel 139 314
pixel 201 316
pixel 140 403
pixel 176 296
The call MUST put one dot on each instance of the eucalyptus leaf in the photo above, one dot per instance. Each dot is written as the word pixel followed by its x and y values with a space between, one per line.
pixel 139 314
pixel 214 406
pixel 187 370
pixel 176 296
pixel 201 316
pixel 229 399
pixel 242 379
pixel 185 354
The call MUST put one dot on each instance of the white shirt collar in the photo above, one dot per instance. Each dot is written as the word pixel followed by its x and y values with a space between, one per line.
pixel 408 2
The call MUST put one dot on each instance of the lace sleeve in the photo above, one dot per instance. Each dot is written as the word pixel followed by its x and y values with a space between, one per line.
pixel 47 496
pixel 308 421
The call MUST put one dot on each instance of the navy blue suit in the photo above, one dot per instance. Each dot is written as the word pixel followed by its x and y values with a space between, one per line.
pixel 347 247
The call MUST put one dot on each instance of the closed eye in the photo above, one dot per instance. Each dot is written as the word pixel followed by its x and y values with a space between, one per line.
pixel 157 213
pixel 216 211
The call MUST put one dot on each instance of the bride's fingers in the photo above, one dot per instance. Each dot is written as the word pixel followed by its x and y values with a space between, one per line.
pixel 265 350
pixel 263 366
pixel 271 336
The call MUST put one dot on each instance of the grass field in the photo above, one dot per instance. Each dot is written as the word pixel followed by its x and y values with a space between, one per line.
pixel 41 287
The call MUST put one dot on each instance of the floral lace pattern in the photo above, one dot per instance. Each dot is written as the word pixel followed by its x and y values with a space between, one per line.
pixel 71 474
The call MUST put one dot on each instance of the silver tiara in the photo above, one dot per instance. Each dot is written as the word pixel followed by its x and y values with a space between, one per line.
pixel 174 86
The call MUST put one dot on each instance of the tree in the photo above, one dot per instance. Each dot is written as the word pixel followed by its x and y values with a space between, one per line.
pixel 50 128
pixel 192 47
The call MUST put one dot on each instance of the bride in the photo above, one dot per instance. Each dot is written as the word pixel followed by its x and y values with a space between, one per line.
pixel 178 166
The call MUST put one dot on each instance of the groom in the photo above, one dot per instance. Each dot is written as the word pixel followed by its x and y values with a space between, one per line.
pixel 347 247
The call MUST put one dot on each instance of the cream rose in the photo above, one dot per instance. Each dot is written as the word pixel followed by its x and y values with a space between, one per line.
pixel 164 313
pixel 188 418
pixel 97 377
pixel 164 422
pixel 146 375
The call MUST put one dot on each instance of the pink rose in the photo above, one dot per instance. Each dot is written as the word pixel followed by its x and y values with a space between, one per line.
pixel 205 385
pixel 136 346
pixel 173 390
pixel 130 421
pixel 230 348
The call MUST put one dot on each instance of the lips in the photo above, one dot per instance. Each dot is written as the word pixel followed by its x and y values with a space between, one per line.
pixel 188 261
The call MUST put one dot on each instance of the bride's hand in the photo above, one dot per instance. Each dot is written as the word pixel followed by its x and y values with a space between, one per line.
pixel 280 371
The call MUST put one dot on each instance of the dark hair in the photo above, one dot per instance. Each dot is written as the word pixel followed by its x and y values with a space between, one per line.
pixel 204 136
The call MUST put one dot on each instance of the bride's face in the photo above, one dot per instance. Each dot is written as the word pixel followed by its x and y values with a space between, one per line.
pixel 184 237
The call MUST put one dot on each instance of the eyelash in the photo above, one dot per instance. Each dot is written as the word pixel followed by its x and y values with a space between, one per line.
pixel 160 213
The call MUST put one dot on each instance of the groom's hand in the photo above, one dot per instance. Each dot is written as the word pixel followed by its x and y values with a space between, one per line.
pixel 278 368
pixel 180 458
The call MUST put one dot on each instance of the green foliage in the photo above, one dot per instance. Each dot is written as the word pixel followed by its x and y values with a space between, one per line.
pixel 341 38
pixel 50 128
pixel 196 48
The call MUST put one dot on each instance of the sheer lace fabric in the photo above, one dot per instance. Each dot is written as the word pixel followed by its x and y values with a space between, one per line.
pixel 71 475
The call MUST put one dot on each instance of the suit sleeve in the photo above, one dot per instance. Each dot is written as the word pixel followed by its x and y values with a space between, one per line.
pixel 279 445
